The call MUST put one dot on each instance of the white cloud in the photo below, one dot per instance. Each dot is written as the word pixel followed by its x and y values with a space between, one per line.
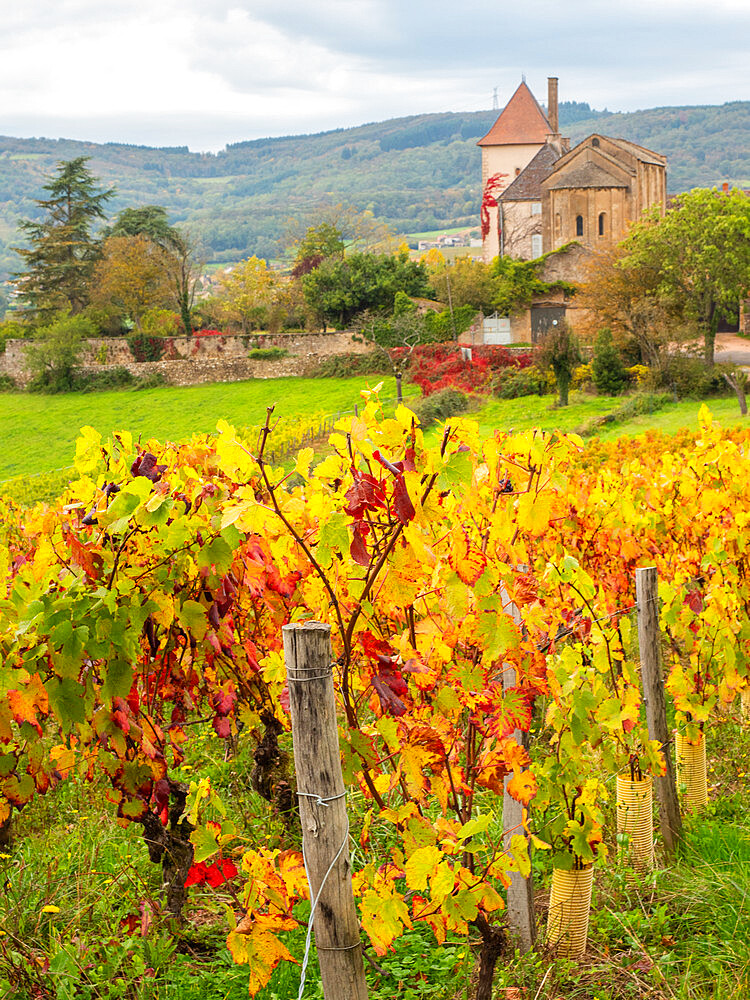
pixel 258 67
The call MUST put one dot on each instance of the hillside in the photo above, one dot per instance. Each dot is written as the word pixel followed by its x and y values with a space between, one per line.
pixel 418 173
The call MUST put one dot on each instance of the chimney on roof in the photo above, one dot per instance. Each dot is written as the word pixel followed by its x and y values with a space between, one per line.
pixel 552 112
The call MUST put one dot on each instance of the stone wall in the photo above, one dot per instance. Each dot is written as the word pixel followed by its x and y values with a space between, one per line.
pixel 193 360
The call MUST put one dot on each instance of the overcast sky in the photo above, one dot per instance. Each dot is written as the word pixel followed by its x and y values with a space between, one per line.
pixel 203 73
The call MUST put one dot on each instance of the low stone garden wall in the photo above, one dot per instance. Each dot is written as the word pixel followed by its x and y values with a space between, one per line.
pixel 194 360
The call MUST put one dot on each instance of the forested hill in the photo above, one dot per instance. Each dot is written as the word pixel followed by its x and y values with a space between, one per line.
pixel 418 173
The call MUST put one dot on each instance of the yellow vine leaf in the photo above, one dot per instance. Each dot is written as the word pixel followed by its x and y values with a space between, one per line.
pixel 253 943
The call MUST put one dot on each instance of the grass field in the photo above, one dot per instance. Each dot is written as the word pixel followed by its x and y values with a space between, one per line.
pixel 540 411
pixel 38 433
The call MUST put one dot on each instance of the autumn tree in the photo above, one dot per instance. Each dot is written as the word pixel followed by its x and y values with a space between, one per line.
pixel 318 244
pixel 627 302
pixel 465 282
pixel 247 293
pixel 63 249
pixel 181 253
pixel 132 275
pixel 697 256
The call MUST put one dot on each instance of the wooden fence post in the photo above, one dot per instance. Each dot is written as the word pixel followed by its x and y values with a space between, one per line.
pixel 322 807
pixel 521 890
pixel 647 592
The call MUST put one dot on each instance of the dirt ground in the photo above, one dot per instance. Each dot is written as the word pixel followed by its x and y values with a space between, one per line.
pixel 732 349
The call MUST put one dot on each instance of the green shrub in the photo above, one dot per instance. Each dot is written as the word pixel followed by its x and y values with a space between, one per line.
pixel 688 378
pixel 516 382
pixel 52 357
pixel 439 406
pixel 607 369
pixel 7 383
pixel 153 381
pixel 11 330
pixel 345 365
pixel 638 405
pixel 442 326
pixel 110 378
pixel 161 323
pixel 268 353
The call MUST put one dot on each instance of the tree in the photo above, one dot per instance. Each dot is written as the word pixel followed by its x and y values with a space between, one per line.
pixel 626 301
pixel 559 351
pixel 466 282
pixel 132 275
pixel 182 261
pixel 607 369
pixel 318 244
pixel 62 252
pixel 404 330
pixel 247 292
pixel 698 256
pixel 147 220
pixel 358 230
pixel 185 265
pixel 342 287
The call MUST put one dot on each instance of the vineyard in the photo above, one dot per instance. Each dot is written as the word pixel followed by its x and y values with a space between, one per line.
pixel 486 660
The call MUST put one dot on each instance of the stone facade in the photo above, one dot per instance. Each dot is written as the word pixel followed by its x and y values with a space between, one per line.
pixel 194 360
pixel 587 196
pixel 595 191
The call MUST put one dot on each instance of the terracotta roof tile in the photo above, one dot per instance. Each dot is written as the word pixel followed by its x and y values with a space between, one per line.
pixel 528 185
pixel 520 122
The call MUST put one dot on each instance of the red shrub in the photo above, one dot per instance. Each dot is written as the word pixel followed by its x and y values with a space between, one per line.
pixel 441 366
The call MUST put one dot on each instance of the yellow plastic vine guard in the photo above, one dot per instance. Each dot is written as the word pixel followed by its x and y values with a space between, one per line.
pixel 691 769
pixel 569 908
pixel 745 704
pixel 635 818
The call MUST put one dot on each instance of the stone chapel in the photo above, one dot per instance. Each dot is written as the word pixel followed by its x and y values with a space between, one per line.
pixel 540 195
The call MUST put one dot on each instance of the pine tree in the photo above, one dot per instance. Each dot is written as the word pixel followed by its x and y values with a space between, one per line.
pixel 62 250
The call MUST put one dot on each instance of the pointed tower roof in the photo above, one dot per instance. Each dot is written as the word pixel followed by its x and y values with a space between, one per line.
pixel 521 122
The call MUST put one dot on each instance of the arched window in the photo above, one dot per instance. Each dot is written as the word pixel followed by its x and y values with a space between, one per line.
pixel 579 225
pixel 558 224
pixel 601 223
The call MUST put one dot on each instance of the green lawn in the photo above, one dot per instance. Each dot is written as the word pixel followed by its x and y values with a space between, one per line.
pixel 38 433
pixel 535 411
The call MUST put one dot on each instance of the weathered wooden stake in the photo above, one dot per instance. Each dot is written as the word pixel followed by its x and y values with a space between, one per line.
pixel 521 890
pixel 647 591
pixel 307 652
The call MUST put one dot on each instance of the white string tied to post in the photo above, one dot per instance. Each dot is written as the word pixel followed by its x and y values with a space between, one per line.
pixel 315 897
pixel 319 800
